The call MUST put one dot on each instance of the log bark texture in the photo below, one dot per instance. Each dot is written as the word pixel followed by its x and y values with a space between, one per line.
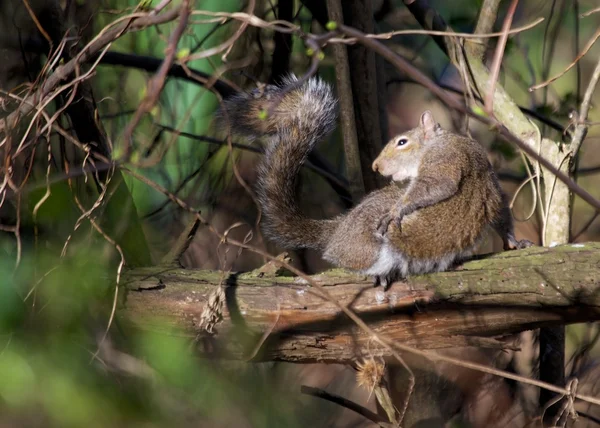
pixel 267 317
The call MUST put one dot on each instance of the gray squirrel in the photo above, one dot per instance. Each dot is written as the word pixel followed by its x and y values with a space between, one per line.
pixel 451 198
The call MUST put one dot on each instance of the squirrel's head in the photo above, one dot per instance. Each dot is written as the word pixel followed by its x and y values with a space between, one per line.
pixel 401 157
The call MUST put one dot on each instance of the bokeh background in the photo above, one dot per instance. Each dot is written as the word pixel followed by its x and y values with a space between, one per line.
pixel 54 308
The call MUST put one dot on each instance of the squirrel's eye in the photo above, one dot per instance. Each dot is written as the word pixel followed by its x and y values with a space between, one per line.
pixel 402 142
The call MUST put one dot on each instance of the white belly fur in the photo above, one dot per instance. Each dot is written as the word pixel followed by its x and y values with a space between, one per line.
pixel 391 261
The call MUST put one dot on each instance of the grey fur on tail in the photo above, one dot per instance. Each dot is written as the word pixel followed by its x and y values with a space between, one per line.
pixel 295 116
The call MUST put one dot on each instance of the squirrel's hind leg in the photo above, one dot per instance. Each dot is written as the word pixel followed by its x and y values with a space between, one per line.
pixel 385 280
pixel 380 280
pixel 512 243
pixel 505 228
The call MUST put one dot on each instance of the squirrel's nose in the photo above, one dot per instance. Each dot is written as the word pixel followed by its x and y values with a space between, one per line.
pixel 375 166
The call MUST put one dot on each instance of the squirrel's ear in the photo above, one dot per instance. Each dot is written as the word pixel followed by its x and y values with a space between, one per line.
pixel 428 123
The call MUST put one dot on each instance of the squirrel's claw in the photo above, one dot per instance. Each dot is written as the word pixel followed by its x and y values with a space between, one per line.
pixel 511 243
pixel 398 220
pixel 523 243
pixel 384 223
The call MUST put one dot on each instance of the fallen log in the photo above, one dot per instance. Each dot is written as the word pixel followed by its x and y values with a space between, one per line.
pixel 263 316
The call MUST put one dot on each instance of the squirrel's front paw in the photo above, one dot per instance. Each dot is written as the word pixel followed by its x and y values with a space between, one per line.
pixel 385 221
pixel 383 225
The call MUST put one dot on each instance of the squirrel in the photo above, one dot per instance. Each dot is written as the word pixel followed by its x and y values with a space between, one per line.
pixel 450 197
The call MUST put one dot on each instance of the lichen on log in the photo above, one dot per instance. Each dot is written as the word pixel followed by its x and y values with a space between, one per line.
pixel 283 318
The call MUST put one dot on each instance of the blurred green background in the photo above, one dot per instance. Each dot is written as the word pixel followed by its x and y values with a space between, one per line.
pixel 57 368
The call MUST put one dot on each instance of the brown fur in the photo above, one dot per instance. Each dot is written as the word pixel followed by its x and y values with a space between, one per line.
pixel 295 117
pixel 354 244
pixel 456 223
pixel 451 194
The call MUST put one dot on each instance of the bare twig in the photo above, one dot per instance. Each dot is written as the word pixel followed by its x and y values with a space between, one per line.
pixel 581 125
pixel 104 39
pixel 586 226
pixel 160 6
pixel 529 112
pixel 148 63
pixel 226 45
pixel 495 69
pixel 181 243
pixel 590 12
pixel 586 49
pixel 37 22
pixel 288 27
pixel 86 214
pixel 344 402
pixel 157 82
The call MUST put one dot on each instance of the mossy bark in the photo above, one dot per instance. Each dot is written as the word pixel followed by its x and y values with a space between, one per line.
pixel 284 318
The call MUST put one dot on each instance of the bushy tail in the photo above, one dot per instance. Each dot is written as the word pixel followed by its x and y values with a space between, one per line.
pixel 296 116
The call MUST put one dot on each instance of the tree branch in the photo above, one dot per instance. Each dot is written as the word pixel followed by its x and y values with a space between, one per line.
pixel 485 24
pixel 287 320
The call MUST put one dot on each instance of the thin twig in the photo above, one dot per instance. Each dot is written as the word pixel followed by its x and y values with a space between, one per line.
pixel 100 42
pixel 152 64
pixel 590 12
pixel 570 66
pixel 181 244
pixel 160 6
pixel 37 22
pixel 495 69
pixel 227 44
pixel 287 27
pixel 157 82
pixel 581 127
pixel 586 226
pixel 344 402
pixel 529 112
